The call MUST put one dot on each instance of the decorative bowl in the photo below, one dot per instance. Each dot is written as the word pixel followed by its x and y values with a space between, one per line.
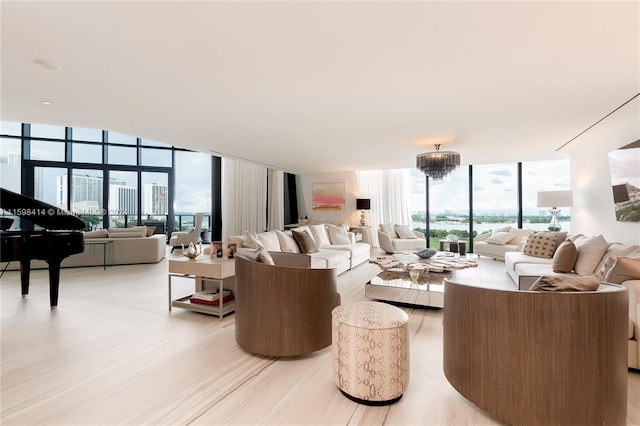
pixel 452 237
pixel 424 253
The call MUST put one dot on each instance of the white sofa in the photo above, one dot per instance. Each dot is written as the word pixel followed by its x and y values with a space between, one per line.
pixel 341 254
pixel 501 241
pixel 395 238
pixel 129 245
pixel 595 256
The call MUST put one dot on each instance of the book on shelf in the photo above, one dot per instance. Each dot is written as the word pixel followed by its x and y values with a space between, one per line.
pixel 211 297
pixel 215 302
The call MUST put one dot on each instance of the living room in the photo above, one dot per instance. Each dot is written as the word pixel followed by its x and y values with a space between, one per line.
pixel 112 353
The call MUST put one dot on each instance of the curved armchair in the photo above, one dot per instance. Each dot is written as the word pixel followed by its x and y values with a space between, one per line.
pixel 528 357
pixel 178 238
pixel 283 310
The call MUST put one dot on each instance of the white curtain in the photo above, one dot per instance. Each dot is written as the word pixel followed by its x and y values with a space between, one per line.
pixel 244 197
pixel 275 196
pixel 390 195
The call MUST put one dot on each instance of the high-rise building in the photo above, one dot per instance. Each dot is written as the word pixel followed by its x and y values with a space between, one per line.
pixel 155 199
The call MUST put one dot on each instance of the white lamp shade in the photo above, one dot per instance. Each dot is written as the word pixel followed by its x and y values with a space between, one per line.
pixel 555 199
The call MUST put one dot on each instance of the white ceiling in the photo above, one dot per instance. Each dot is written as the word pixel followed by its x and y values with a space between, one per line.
pixel 326 86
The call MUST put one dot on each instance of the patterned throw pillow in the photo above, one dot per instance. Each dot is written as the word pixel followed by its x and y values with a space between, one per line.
pixel 540 245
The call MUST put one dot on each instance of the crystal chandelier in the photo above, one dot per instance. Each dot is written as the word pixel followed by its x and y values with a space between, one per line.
pixel 438 164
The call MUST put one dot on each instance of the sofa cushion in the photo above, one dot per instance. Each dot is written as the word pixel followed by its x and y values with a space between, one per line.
pixel 590 252
pixel 499 238
pixel 404 232
pixel 133 232
pixel 99 233
pixel 250 240
pixel 269 241
pixel 305 241
pixel 622 269
pixel 320 235
pixel 519 235
pixel 564 259
pixel 338 234
pixel 389 229
pixel 262 255
pixel 287 242
pixel 616 250
pixel 566 283
pixel 540 245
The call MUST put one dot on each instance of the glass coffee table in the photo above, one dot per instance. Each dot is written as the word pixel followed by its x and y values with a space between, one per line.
pixel 422 287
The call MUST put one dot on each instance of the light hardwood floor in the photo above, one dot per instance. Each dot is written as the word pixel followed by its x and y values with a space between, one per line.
pixel 113 354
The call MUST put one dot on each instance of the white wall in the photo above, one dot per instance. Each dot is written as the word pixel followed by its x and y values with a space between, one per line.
pixel 350 215
pixel 593 211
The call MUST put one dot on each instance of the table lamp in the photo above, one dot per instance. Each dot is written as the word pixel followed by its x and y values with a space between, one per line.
pixel 555 199
pixel 363 204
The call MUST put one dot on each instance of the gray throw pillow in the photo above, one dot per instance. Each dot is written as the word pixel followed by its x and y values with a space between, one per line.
pixel 305 241
pixel 566 283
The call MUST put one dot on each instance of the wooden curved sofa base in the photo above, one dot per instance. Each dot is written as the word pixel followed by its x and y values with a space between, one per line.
pixel 538 357
pixel 282 310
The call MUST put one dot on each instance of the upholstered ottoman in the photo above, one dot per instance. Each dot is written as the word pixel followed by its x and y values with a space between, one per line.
pixel 370 352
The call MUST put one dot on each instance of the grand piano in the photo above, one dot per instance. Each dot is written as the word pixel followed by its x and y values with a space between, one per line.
pixel 45 232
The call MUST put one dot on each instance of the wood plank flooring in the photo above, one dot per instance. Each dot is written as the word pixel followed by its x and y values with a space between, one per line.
pixel 113 354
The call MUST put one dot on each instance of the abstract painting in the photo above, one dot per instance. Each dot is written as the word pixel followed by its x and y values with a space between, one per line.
pixel 328 196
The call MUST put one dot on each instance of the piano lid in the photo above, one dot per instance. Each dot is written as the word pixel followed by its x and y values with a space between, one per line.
pixel 38 212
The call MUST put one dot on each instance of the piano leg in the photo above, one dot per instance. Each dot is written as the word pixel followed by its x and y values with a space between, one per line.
pixel 54 281
pixel 25 269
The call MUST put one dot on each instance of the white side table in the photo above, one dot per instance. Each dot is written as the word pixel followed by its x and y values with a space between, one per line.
pixel 203 268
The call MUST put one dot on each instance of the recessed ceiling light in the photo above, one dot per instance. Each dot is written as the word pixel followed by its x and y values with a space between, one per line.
pixel 46 102
pixel 47 65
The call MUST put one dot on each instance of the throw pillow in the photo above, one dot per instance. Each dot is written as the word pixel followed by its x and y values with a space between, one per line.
pixel 559 237
pixel 499 238
pixel 269 240
pixel 564 259
pixel 320 235
pixel 287 242
pixel 338 235
pixel 250 240
pixel 305 242
pixel 540 245
pixel 566 283
pixel 389 229
pixel 616 250
pixel 590 252
pixel 262 255
pixel 403 231
pixel 623 269
pixel 150 230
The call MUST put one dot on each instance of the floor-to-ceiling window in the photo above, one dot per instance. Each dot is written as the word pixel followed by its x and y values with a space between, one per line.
pixel 502 195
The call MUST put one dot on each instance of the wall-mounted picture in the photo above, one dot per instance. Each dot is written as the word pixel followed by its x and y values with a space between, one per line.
pixel 328 196
pixel 624 164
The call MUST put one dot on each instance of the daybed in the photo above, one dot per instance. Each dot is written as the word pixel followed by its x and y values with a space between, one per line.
pixel 579 255
pixel 501 241
pixel 396 238
pixel 283 310
pixel 130 246
pixel 538 357
pixel 326 246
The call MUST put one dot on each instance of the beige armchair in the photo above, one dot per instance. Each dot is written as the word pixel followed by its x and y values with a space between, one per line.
pixel 392 242
pixel 179 238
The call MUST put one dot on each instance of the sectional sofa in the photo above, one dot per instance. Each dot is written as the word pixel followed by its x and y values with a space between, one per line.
pixel 501 241
pixel 582 256
pixel 322 246
pixel 124 246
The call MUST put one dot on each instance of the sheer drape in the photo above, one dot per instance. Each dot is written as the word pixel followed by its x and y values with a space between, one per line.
pixel 244 197
pixel 275 199
pixel 389 192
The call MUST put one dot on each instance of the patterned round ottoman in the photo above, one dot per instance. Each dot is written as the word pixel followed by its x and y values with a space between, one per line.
pixel 370 352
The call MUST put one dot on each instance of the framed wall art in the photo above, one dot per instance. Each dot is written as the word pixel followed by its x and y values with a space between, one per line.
pixel 625 181
pixel 328 196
